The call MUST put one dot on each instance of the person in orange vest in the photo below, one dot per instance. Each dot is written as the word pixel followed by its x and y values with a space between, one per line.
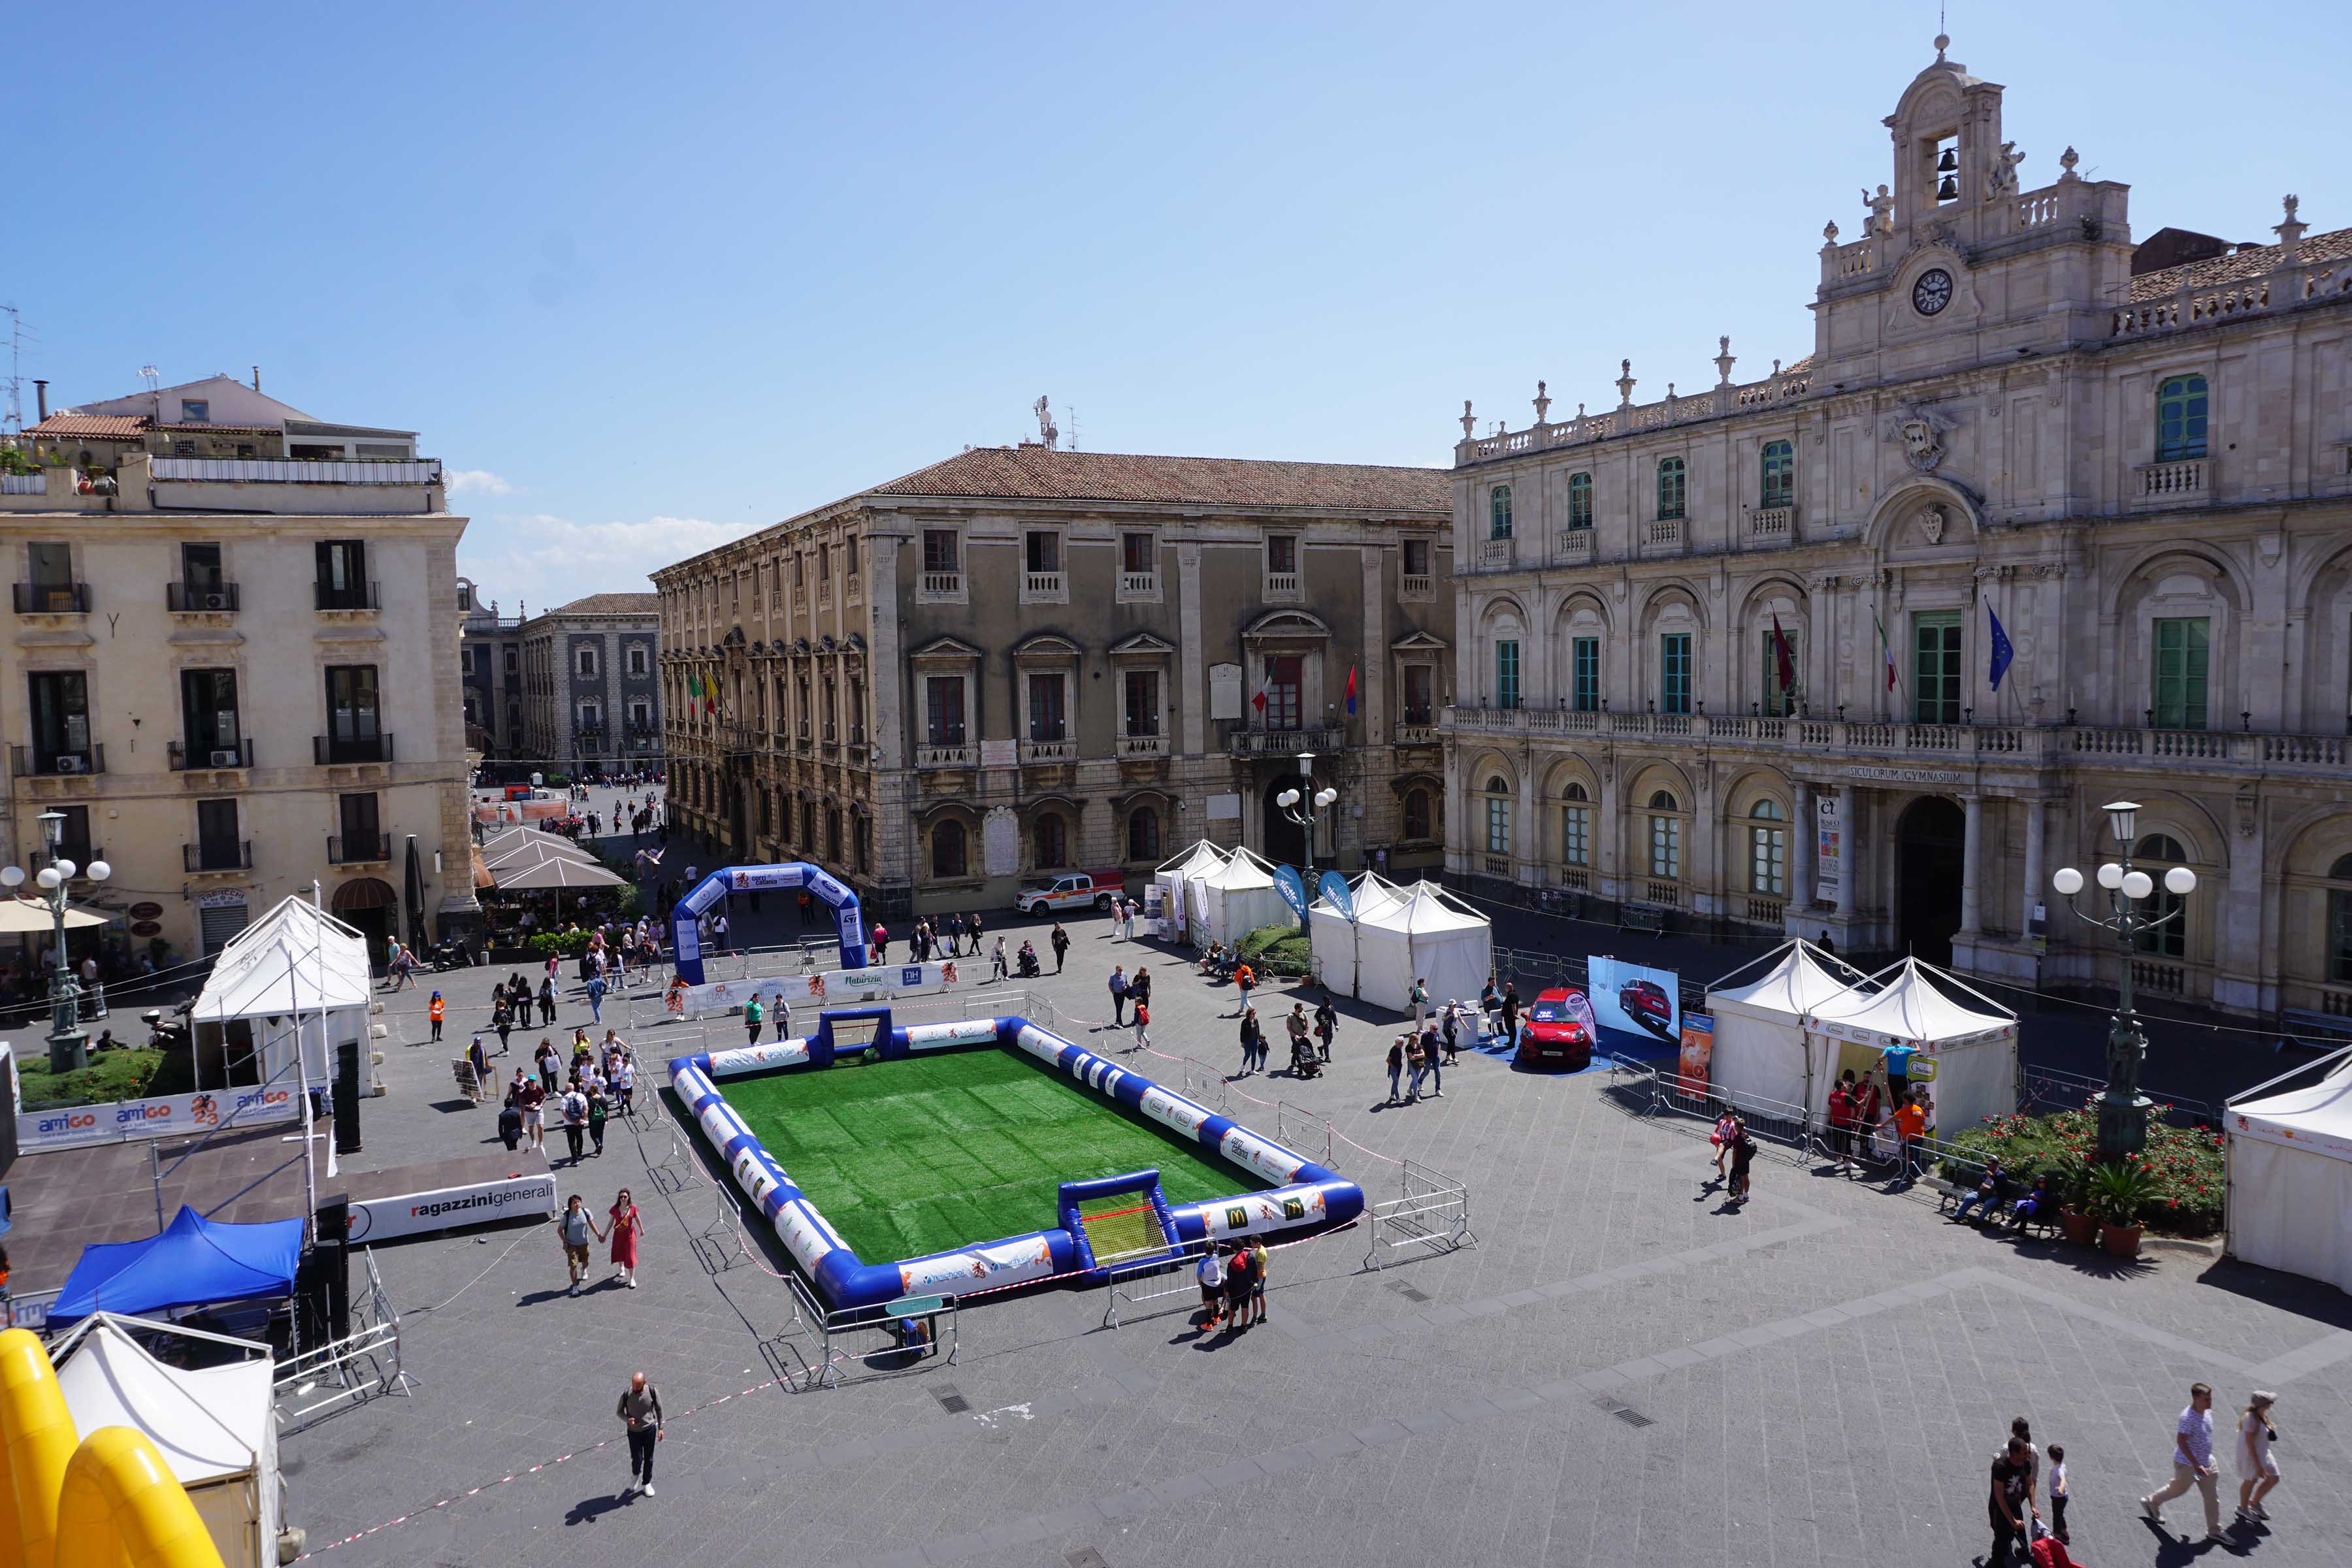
pixel 1245 978
pixel 436 1012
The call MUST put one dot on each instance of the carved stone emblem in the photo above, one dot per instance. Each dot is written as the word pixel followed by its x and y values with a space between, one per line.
pixel 1921 431
pixel 1931 523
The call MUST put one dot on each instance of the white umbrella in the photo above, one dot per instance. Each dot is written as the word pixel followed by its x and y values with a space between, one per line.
pixel 24 917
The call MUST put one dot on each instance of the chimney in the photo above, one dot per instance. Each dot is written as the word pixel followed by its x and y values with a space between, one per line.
pixel 256 378
pixel 41 396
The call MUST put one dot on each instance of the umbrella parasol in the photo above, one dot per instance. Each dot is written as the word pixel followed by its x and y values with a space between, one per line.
pixel 24 917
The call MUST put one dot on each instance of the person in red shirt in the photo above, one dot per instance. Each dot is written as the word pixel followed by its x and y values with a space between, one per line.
pixel 1842 1122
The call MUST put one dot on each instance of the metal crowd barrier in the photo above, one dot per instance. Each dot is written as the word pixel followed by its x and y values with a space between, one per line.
pixel 1433 1210
pixel 359 1366
pixel 910 1332
pixel 1654 1092
pixel 1121 1279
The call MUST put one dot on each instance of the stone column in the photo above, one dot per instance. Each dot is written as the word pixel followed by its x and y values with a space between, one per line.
pixel 1971 851
pixel 1191 668
pixel 1800 858
pixel 1849 853
pixel 2035 819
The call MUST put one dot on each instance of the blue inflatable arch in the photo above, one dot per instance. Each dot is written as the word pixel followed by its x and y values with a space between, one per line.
pixel 685 934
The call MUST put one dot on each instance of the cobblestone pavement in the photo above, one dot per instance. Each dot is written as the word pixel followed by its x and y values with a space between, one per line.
pixel 1620 1370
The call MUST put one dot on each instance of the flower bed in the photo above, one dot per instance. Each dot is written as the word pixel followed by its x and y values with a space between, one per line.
pixel 2184 1164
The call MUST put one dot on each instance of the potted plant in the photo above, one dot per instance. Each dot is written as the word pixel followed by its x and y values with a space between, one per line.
pixel 2081 1226
pixel 2118 1192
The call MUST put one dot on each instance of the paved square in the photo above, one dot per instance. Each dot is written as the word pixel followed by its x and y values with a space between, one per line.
pixel 1619 1371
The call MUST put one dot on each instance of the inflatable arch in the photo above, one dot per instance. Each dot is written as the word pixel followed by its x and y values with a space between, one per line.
pixel 88 1502
pixel 685 934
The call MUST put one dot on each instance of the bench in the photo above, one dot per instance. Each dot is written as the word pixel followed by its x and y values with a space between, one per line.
pixel 1949 1193
pixel 1647 918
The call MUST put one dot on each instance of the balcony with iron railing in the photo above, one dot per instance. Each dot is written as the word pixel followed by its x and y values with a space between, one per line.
pixel 180 756
pixel 41 761
pixel 1152 745
pixel 328 751
pixel 1263 742
pixel 81 855
pixel 359 849
pixel 200 598
pixel 217 855
pixel 51 599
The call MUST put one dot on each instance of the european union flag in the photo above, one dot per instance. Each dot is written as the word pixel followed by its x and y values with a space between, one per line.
pixel 2002 653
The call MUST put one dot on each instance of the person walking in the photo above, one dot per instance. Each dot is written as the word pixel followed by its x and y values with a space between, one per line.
pixel 1419 998
pixel 1396 1066
pixel 437 1010
pixel 575 1121
pixel 1429 1048
pixel 599 1111
pixel 971 929
pixel 484 1084
pixel 997 967
pixel 502 1020
pixel 1326 1025
pixel 510 1124
pixel 1416 1069
pixel 881 942
pixel 2192 1463
pixel 1245 980
pixel 1252 1040
pixel 545 1059
pixel 1061 944
pixel 1142 1017
pixel 2010 1503
pixel 1139 986
pixel 1743 1157
pixel 641 1416
pixel 1296 1023
pixel 2058 1494
pixel 533 1095
pixel 955 935
pixel 546 1003
pixel 1117 985
pixel 779 1015
pixel 595 998
pixel 575 1228
pixel 628 1228
pixel 2258 1471
pixel 1842 1122
pixel 754 1015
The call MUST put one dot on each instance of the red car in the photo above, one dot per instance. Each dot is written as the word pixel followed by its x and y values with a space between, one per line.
pixel 1646 1003
pixel 1557 1031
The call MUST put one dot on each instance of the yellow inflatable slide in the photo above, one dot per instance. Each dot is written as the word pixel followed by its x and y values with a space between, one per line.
pixel 68 1501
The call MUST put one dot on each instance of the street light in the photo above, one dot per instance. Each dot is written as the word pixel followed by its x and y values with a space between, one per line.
pixel 2123 1109
pixel 69 1041
pixel 1301 807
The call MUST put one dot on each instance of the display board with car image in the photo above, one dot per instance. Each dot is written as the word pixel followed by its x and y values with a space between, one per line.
pixel 1558 1030
pixel 1638 1009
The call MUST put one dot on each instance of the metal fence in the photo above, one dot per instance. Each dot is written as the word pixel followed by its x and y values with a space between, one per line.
pixel 1432 1211
pixel 361 1365
pixel 1127 1281
pixel 2041 1090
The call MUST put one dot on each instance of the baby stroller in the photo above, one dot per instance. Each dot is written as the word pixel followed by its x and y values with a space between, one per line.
pixel 1304 1063
pixel 1025 965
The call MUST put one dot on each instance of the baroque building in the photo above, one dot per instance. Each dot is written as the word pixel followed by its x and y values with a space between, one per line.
pixel 1024 660
pixel 592 700
pixel 228 666
pixel 490 676
pixel 1731 655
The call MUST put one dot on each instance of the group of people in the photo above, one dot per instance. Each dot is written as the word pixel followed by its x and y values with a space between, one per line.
pixel 1884 1105
pixel 954 936
pixel 575 1228
pixel 1310 1038
pixel 1232 1283
pixel 602 1080
pixel 1415 1058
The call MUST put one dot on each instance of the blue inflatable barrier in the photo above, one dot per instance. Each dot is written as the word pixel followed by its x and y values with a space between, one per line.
pixel 1304 1198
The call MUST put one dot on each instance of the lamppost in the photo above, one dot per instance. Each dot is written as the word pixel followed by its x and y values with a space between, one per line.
pixel 69 1041
pixel 2122 1109
pixel 1301 806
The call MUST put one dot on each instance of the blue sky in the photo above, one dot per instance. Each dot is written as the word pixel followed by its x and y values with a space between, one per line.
pixel 653 276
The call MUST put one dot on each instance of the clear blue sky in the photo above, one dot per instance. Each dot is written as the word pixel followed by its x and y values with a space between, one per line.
pixel 654 277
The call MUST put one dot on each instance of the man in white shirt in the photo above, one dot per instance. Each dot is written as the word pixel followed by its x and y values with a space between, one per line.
pixel 2192 1463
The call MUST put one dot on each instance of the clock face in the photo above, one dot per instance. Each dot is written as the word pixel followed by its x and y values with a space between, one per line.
pixel 1932 292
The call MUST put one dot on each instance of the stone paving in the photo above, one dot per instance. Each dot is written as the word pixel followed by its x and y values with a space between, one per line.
pixel 1621 1370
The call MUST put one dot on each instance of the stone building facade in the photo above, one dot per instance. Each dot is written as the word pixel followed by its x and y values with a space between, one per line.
pixel 1023 659
pixel 592 692
pixel 490 676
pixel 228 665
pixel 1732 654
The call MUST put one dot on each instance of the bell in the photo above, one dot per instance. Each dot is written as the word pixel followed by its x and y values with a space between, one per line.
pixel 1949 191
pixel 1947 162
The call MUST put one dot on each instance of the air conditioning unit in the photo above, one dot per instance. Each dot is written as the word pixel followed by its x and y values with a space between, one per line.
pixel 215 601
pixel 72 763
pixel 227 759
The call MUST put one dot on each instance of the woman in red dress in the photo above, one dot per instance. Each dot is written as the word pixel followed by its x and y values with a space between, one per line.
pixel 626 1228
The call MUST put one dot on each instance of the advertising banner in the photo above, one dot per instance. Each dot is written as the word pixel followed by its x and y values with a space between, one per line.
pixel 1829 846
pixel 1293 889
pixel 831 986
pixel 479 1203
pixel 1698 1051
pixel 1334 888
pixel 1640 1007
pixel 1155 910
pixel 163 1116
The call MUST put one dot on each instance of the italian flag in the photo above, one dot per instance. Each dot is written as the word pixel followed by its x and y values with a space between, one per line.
pixel 1884 648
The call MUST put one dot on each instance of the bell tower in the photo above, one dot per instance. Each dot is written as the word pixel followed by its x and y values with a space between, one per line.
pixel 1949 154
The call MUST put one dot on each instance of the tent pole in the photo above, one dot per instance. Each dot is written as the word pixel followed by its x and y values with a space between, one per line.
pixel 302 1087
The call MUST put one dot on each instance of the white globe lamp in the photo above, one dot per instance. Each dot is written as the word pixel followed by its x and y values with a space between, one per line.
pixel 2138 885
pixel 48 879
pixel 2181 881
pixel 2111 876
pixel 98 872
pixel 2067 880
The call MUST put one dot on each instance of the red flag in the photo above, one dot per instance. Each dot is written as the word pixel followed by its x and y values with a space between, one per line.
pixel 1258 702
pixel 1351 688
pixel 1787 665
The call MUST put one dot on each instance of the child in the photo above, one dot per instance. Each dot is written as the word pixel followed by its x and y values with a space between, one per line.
pixel 1743 1153
pixel 2058 1493
pixel 1212 1273
pixel 1727 1128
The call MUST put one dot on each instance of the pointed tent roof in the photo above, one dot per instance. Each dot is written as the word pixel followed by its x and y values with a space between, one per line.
pixel 194 1262
pixel 207 1422
pixel 1423 908
pixel 1245 870
pixel 1368 890
pixel 1908 1001
pixel 1803 981
pixel 296 958
pixel 498 846
pixel 2317 1117
pixel 1198 861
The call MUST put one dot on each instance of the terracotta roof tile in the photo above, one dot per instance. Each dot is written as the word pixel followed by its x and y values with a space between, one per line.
pixel 1038 473
pixel 94 426
pixel 2237 266
pixel 611 605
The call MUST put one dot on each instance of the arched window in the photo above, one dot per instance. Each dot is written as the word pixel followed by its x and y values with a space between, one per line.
pixel 1768 850
pixel 1050 840
pixel 1779 487
pixel 1143 834
pixel 1417 815
pixel 1579 500
pixel 2339 921
pixel 1665 837
pixel 1575 826
pixel 1673 487
pixel 1499 513
pixel 947 848
pixel 2180 419
pixel 2157 854
pixel 1498 826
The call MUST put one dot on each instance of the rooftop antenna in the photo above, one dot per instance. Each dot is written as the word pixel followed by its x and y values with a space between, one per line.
pixel 154 380
pixel 1071 415
pixel 1049 435
pixel 12 416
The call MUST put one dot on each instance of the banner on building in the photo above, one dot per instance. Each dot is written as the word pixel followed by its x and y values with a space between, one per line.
pixel 163 1116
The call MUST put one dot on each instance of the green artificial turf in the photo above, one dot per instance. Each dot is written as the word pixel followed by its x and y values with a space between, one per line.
pixel 940 1151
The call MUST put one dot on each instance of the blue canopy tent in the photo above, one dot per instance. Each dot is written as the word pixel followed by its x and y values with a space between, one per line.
pixel 195 1262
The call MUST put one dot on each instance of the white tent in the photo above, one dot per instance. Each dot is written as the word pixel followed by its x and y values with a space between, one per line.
pixel 1426 934
pixel 1759 1023
pixel 1973 1047
pixel 295 964
pixel 2290 1163
pixel 1196 862
pixel 214 1426
pixel 1238 897
pixel 1331 934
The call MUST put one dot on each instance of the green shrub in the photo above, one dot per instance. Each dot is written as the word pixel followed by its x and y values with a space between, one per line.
pixel 2182 1179
pixel 562 944
pixel 1275 950
pixel 555 781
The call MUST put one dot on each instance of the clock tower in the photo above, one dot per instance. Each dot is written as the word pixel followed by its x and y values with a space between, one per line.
pixel 1956 264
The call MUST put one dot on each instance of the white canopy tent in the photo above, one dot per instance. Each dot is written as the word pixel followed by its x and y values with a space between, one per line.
pixel 1332 934
pixel 1759 1021
pixel 296 970
pixel 1196 862
pixel 1426 934
pixel 214 1426
pixel 1972 1044
pixel 1238 897
pixel 2290 1165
